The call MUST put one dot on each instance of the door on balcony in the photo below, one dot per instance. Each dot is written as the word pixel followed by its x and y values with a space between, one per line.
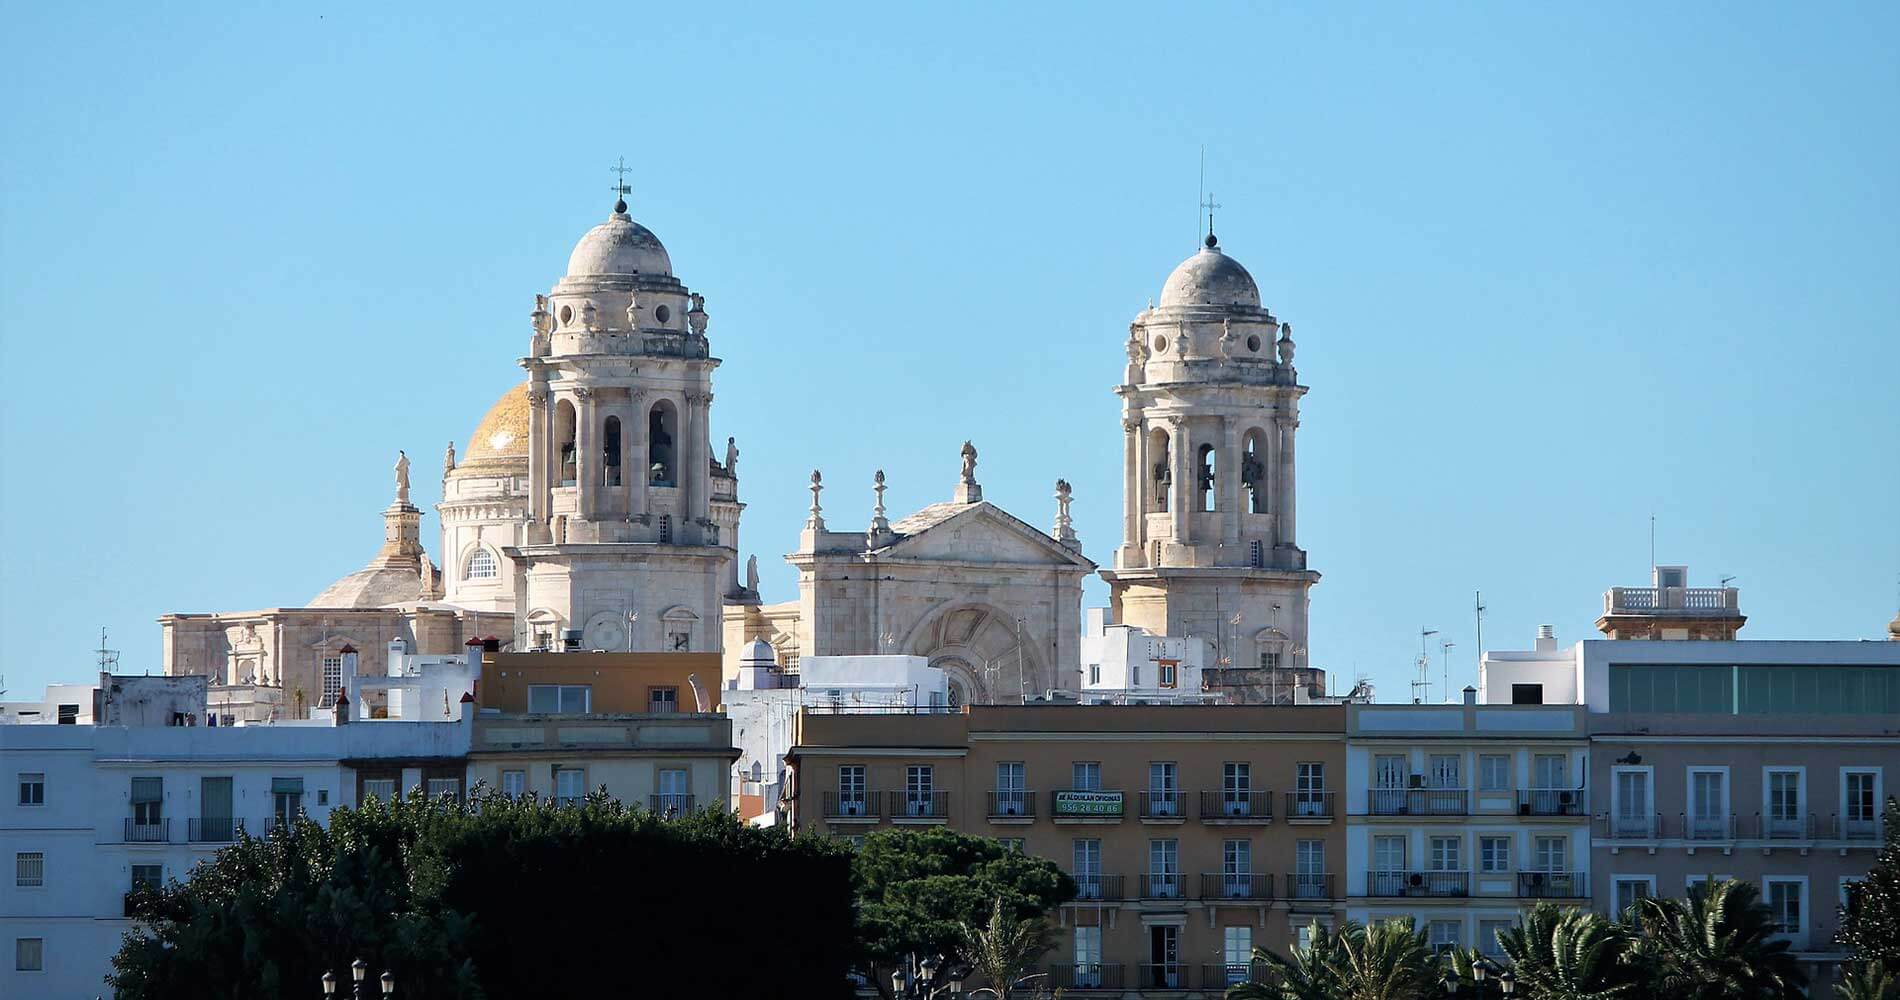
pixel 674 797
pixel 1708 803
pixel 1237 869
pixel 1309 860
pixel 851 790
pixel 214 809
pixel 1784 803
pixel 1164 957
pixel 1086 866
pixel 1388 784
pixel 920 790
pixel 1164 868
pixel 1009 788
pixel 148 805
pixel 286 798
pixel 1088 957
pixel 1551 771
pixel 1309 786
pixel 1631 816
pixel 1236 788
pixel 1388 865
pixel 1236 953
pixel 1161 788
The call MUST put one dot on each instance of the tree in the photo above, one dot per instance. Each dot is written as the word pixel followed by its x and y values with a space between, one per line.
pixel 498 899
pixel 1386 961
pixel 1005 948
pixel 917 890
pixel 1870 922
pixel 1564 953
pixel 1716 945
pixel 1867 981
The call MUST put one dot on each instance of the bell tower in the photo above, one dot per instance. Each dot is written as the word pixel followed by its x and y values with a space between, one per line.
pixel 1210 407
pixel 632 522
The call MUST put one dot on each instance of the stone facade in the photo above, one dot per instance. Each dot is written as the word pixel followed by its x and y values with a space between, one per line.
pixel 1210 406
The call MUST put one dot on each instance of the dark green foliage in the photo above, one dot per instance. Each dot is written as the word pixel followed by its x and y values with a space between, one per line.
pixel 917 890
pixel 1564 953
pixel 1870 923
pixel 1716 945
pixel 502 899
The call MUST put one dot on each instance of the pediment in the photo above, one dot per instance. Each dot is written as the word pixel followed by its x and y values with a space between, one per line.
pixel 979 532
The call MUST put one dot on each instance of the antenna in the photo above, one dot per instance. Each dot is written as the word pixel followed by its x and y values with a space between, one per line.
pixel 1477 603
pixel 1445 652
pixel 108 658
pixel 1728 580
pixel 1422 683
pixel 1201 195
pixel 1652 544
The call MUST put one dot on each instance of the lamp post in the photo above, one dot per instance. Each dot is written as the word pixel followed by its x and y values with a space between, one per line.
pixel 359 970
pixel 927 979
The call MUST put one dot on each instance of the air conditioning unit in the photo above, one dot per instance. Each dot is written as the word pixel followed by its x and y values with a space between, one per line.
pixel 1567 799
pixel 1418 781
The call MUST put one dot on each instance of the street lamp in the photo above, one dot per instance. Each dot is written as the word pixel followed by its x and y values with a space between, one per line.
pixel 358 969
pixel 389 983
pixel 329 984
pixel 1507 983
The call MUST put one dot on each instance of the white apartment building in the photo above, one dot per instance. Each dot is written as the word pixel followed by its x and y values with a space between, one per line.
pixel 88 811
pixel 1128 665
pixel 1462 816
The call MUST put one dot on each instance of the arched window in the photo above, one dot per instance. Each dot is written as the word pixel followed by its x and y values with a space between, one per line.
pixel 1160 468
pixel 610 452
pixel 1253 471
pixel 662 426
pixel 758 771
pixel 481 566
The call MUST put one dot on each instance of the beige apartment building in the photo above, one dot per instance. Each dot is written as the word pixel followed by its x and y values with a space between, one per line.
pixel 667 762
pixel 1195 833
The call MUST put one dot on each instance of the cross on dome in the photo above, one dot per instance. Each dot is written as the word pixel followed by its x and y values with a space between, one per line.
pixel 621 188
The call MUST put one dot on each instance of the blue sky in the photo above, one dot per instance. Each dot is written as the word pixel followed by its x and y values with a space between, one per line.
pixel 1551 270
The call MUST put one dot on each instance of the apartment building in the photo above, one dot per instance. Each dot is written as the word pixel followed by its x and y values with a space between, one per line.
pixel 1761 761
pixel 1461 816
pixel 1194 832
pixel 669 762
pixel 577 683
pixel 90 811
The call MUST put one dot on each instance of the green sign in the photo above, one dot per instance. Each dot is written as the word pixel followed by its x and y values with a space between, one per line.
pixel 1088 804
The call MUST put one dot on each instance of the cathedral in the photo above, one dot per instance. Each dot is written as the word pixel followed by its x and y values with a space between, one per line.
pixel 590 509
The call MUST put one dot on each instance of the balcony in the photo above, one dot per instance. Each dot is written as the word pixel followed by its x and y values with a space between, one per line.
pixel 1085 805
pixel 158 831
pixel 1784 827
pixel 1641 826
pixel 1714 601
pixel 1236 807
pixel 1418 884
pixel 1012 805
pixel 1419 802
pixel 919 807
pixel 1857 829
pixel 671 803
pixel 1082 977
pixel 1717 827
pixel 1096 887
pixel 1551 802
pixel 1309 807
pixel 1220 977
pixel 1163 885
pixel 1316 886
pixel 1163 807
pixel 1553 885
pixel 1166 976
pixel 1251 887
pixel 851 807
pixel 212 830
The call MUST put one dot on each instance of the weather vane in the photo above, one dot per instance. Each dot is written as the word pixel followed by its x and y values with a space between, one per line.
pixel 620 185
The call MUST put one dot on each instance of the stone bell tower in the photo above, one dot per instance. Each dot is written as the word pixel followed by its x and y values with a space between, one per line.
pixel 632 522
pixel 1210 406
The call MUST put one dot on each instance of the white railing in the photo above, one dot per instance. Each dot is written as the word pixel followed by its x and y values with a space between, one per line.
pixel 1646 599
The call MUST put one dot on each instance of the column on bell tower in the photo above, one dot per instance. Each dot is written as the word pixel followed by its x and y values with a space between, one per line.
pixel 1287 536
pixel 634 468
pixel 1228 471
pixel 1181 492
pixel 586 452
pixel 1131 490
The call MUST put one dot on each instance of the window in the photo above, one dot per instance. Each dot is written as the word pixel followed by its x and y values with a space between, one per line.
pixel 514 784
pixel 1494 772
pixel 1494 854
pixel 1309 788
pixel 148 876
pixel 383 788
pixel 1088 957
pixel 920 790
pixel 1527 694
pixel 1443 934
pixel 560 699
pixel 1237 858
pixel 1095 674
pixel 148 808
pixel 215 822
pixel 1860 803
pixel 481 566
pixel 1085 776
pixel 1550 770
pixel 286 799
pixel 1388 854
pixel 1784 903
pixel 675 797
pixel 570 784
pixel 1444 771
pixel 1236 952
pixel 679 642
pixel 1161 788
pixel 29 954
pixel 1445 851
pixel 1550 854
pixel 1086 857
pixel 1628 890
pixel 666 529
pixel 1014 845
pixel 1010 797
pixel 1170 673
pixel 663 700
pixel 332 679
pixel 1270 659
pixel 1256 554
pixel 69 715
pixel 32 788
pixel 1631 816
pixel 851 790
pixel 1488 932
pixel 29 869
pixel 1309 870
pixel 1708 802
pixel 1164 868
pixel 438 787
pixel 1783 791
pixel 1236 783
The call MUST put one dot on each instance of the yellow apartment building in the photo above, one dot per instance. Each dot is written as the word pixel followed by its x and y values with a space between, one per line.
pixel 1195 833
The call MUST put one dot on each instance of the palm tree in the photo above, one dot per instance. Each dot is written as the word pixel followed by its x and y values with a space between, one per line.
pixel 1867 981
pixel 1716 945
pixel 1387 961
pixel 1563 953
pixel 1005 948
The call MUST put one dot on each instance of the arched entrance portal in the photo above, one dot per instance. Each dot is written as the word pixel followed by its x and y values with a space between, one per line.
pixel 990 658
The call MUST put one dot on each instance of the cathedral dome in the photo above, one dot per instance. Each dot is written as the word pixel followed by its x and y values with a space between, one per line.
pixel 502 436
pixel 1210 278
pixel 619 246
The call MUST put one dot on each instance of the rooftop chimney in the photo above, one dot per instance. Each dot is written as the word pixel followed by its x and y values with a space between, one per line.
pixel 1471 695
pixel 1546 638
